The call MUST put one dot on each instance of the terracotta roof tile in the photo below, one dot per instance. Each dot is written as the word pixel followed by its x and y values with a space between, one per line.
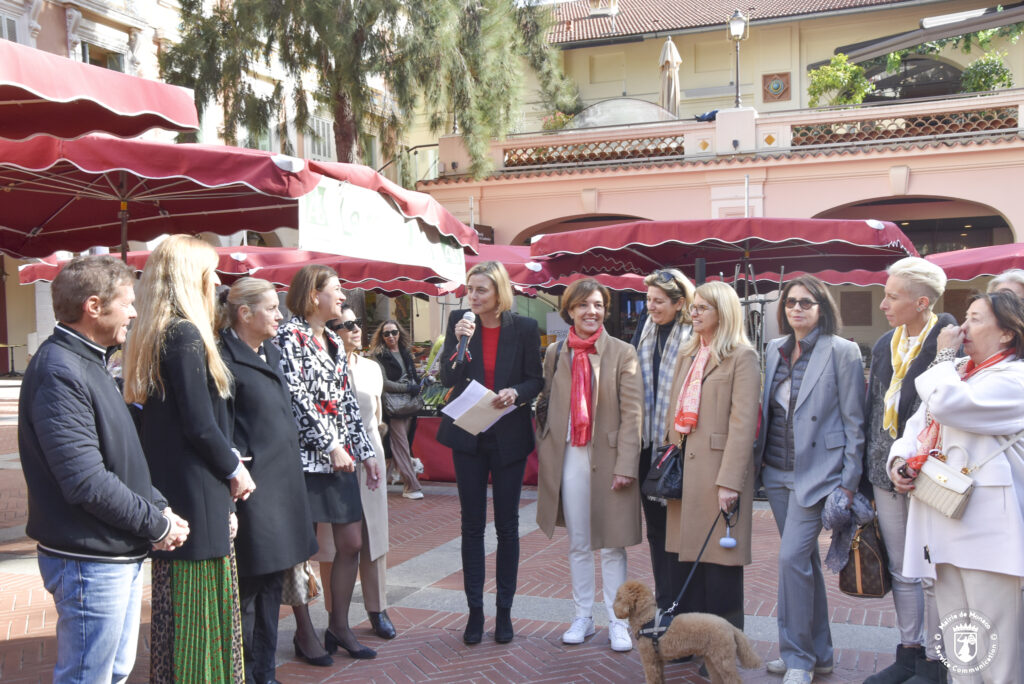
pixel 573 22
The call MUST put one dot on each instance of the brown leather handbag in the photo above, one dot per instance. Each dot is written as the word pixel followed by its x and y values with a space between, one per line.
pixel 866 574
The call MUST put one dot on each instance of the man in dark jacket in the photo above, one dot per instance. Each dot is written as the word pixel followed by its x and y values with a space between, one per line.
pixel 91 505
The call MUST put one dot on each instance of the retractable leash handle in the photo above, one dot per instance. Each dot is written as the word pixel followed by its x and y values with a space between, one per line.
pixel 675 604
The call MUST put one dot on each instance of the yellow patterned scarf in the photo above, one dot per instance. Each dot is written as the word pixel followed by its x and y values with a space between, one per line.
pixel 901 360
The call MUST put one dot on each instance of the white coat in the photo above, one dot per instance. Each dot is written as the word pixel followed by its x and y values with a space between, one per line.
pixel 973 414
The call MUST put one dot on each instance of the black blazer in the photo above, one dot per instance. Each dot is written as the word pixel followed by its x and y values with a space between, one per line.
pixel 517 366
pixel 185 437
pixel 275 529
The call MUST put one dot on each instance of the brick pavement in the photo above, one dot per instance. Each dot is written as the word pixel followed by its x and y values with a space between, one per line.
pixel 429 647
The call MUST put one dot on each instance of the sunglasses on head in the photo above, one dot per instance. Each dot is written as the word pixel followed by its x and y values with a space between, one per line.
pixel 805 304
pixel 665 276
pixel 390 333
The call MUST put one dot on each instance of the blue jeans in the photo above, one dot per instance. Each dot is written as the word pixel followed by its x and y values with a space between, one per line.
pixel 98 612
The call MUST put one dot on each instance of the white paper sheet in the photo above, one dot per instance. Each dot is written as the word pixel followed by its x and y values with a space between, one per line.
pixel 472 410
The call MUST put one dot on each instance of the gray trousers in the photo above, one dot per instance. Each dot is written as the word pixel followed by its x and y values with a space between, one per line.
pixel 805 639
pixel 916 615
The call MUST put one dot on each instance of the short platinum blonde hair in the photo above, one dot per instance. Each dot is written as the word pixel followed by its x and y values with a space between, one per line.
pixel 1012 275
pixel 924 279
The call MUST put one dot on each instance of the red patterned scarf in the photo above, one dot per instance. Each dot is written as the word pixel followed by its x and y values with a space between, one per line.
pixel 928 438
pixel 688 406
pixel 581 402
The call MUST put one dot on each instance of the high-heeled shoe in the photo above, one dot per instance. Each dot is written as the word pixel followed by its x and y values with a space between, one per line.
pixel 474 633
pixel 331 643
pixel 319 661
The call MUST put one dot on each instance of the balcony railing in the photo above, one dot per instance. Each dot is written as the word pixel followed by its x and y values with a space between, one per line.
pixel 744 132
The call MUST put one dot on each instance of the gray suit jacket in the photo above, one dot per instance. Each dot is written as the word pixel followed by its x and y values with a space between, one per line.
pixel 828 419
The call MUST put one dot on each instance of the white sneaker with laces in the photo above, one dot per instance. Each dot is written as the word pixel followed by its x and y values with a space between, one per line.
pixel 579 630
pixel 798 676
pixel 618 635
pixel 779 667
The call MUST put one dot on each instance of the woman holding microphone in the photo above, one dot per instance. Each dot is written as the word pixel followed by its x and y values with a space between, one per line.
pixel 503 354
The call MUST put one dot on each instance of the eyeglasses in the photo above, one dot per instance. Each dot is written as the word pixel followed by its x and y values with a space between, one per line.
pixel 354 324
pixel 700 309
pixel 805 304
pixel 389 333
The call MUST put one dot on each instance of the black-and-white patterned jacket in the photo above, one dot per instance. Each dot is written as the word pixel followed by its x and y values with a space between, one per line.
pixel 323 404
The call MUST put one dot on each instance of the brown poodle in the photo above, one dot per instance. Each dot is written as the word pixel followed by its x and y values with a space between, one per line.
pixel 697 634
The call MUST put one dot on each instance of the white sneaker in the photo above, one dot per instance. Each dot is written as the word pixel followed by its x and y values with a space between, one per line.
pixel 580 629
pixel 418 494
pixel 779 667
pixel 618 635
pixel 798 676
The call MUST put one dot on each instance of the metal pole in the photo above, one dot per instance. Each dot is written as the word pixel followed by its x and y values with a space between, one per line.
pixel 737 74
pixel 123 215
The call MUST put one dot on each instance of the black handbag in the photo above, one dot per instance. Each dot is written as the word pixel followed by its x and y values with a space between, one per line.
pixel 402 405
pixel 665 478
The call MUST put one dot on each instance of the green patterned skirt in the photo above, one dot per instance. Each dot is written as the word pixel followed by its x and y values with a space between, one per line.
pixel 196 626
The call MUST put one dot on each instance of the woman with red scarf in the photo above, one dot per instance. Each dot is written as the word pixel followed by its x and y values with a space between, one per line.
pixel 971 418
pixel 588 454
pixel 716 390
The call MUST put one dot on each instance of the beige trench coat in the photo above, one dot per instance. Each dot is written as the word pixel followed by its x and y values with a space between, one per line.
pixel 719 453
pixel 615 445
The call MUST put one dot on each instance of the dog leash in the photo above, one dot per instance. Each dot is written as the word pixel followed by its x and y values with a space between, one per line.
pixel 657 627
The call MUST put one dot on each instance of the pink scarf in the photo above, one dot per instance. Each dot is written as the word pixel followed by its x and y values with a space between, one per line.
pixel 580 401
pixel 688 405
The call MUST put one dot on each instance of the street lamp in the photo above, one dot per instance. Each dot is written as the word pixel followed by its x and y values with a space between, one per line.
pixel 738 28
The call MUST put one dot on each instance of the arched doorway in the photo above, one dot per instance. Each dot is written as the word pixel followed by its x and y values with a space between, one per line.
pixel 565 224
pixel 934 224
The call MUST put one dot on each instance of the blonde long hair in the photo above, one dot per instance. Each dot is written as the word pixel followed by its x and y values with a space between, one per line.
pixel 730 333
pixel 176 283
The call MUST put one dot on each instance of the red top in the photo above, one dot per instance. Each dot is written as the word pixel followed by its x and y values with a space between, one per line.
pixel 489 341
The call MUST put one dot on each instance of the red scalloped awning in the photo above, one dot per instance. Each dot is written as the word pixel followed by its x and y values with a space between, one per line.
pixel 763 244
pixel 45 94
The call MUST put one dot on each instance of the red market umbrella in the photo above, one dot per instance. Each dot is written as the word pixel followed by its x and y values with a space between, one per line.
pixel 75 194
pixel 72 195
pixel 44 93
pixel 968 264
pixel 278 265
pixel 763 244
pixel 409 203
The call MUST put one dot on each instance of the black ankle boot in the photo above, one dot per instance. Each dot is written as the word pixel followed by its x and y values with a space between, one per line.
pixel 928 672
pixel 474 626
pixel 902 670
pixel 503 626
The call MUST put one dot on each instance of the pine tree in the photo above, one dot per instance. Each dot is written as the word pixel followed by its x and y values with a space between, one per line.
pixel 454 58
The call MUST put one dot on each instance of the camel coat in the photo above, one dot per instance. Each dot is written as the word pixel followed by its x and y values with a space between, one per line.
pixel 618 399
pixel 719 453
